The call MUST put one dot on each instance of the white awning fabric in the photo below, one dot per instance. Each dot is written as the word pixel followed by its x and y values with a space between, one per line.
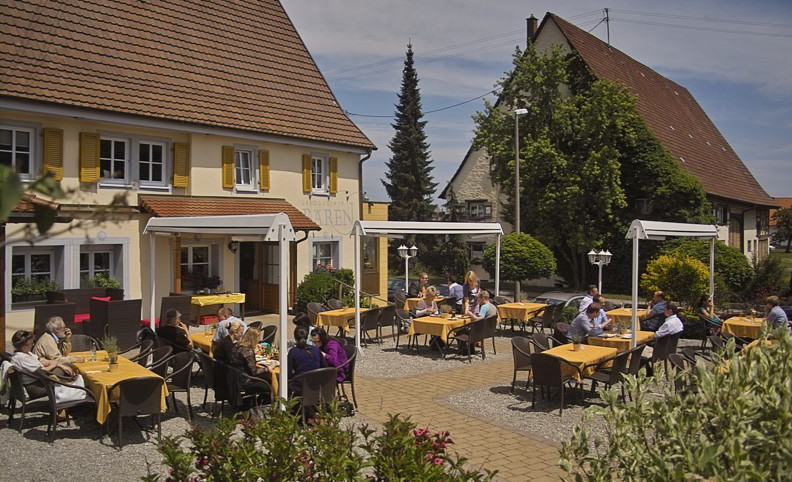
pixel 253 227
pixel 385 228
pixel 659 230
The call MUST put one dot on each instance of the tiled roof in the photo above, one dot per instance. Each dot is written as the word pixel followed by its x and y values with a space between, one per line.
pixel 236 64
pixel 29 201
pixel 177 206
pixel 784 202
pixel 674 117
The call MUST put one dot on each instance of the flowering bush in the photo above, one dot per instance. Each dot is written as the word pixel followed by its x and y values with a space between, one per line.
pixel 276 448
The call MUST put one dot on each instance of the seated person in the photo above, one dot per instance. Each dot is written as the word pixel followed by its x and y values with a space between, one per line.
pixel 418 287
pixel 305 321
pixel 583 324
pixel 55 344
pixel 706 311
pixel 455 291
pixel 591 292
pixel 244 354
pixel 28 363
pixel 601 321
pixel 223 350
pixel 485 308
pixel 302 358
pixel 672 324
pixel 225 317
pixel 427 306
pixel 774 315
pixel 332 351
pixel 175 332
pixel 655 313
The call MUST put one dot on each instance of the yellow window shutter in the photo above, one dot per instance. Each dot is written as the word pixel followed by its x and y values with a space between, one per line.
pixel 53 152
pixel 89 157
pixel 333 175
pixel 181 164
pixel 264 170
pixel 228 167
pixel 307 173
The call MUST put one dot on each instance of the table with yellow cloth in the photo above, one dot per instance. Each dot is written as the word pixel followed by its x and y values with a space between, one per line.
pixel 436 325
pixel 588 355
pixel 621 344
pixel 518 311
pixel 204 342
pixel 98 378
pixel 623 316
pixel 743 327
pixel 218 299
pixel 339 317
pixel 411 303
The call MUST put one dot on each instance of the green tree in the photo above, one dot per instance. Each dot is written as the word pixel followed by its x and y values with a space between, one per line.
pixel 587 157
pixel 683 279
pixel 783 219
pixel 408 180
pixel 523 257
pixel 451 254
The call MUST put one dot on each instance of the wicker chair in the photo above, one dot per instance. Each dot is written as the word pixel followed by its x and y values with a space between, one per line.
pixel 334 304
pixel 318 387
pixel 402 319
pixel 138 396
pixel 547 371
pixel 180 379
pixel 50 382
pixel 476 332
pixel 400 299
pixel 159 360
pixel 268 334
pixel 521 352
pixel 349 379
pixel 313 311
pixel 370 322
pixel 543 320
pixel 388 317
pixel 611 376
pixel 541 340
pixel 84 343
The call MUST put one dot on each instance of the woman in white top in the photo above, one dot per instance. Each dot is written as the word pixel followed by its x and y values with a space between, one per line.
pixel 427 306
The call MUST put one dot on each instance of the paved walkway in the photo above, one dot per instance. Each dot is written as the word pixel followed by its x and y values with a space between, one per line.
pixel 516 455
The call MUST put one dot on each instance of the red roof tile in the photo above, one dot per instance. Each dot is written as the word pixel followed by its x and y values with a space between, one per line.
pixel 29 202
pixel 224 63
pixel 178 206
pixel 784 202
pixel 673 115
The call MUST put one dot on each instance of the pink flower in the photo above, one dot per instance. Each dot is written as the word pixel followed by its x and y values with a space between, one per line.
pixel 438 461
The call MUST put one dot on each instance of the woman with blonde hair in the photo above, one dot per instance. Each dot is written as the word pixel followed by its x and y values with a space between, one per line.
pixel 470 291
pixel 244 353
pixel 427 306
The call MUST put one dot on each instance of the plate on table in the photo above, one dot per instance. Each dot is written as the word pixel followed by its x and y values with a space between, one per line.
pixel 628 336
pixel 453 318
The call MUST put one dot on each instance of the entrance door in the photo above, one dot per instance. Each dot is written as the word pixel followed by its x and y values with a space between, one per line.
pixel 271 276
pixel 736 233
pixel 258 276
pixel 371 273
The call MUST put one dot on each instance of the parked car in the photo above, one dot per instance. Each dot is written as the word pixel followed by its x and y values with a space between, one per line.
pixel 394 285
pixel 555 297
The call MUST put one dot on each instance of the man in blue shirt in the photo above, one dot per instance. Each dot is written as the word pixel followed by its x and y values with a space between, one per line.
pixel 655 314
pixel 583 325
pixel 455 290
pixel 775 316
pixel 601 321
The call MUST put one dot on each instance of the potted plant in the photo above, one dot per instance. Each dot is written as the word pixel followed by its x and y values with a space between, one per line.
pixel 577 342
pixel 446 310
pixel 31 289
pixel 110 344
pixel 101 280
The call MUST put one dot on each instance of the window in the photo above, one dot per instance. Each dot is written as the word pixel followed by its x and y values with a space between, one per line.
pixel 762 222
pixel 325 253
pixel 195 263
pixel 31 265
pixel 113 159
pixel 643 206
pixel 479 210
pixel 16 149
pixel 151 162
pixel 245 170
pixel 93 263
pixel 370 253
pixel 722 214
pixel 476 252
pixel 319 172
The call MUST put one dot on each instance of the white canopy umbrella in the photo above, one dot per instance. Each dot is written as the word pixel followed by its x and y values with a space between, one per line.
pixel 254 227
pixel 391 228
pixel 658 231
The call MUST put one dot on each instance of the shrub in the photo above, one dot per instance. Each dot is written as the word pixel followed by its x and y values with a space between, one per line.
pixel 683 279
pixel 569 313
pixel 316 287
pixel 276 448
pixel 523 257
pixel 101 280
pixel 732 269
pixel 735 426
pixel 769 278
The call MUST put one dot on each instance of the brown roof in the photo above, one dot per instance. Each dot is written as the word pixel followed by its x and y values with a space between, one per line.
pixel 674 116
pixel 29 202
pixel 178 206
pixel 784 202
pixel 223 63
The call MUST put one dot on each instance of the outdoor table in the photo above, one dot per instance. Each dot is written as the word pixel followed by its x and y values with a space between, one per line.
pixel 218 299
pixel 339 317
pixel 588 355
pixel 518 310
pixel 623 316
pixel 620 343
pixel 758 342
pixel 411 303
pixel 743 327
pixel 99 379
pixel 203 341
pixel 436 325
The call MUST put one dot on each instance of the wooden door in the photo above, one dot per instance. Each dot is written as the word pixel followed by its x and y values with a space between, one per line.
pixel 736 233
pixel 371 273
pixel 270 267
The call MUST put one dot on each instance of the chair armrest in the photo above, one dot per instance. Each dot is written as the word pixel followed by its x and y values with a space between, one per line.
pixel 141 355
pixel 521 351
pixel 161 362
pixel 56 380
pixel 176 372
pixel 130 349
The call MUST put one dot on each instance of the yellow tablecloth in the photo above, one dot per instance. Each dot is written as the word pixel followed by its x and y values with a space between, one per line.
pixel 588 355
pixel 203 341
pixel 436 326
pixel 623 316
pixel 339 317
pixel 412 302
pixel 518 311
pixel 743 327
pixel 621 344
pixel 207 300
pixel 99 379
pixel 756 343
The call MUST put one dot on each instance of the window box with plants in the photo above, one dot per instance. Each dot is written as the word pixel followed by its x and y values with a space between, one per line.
pixel 202 284
pixel 27 290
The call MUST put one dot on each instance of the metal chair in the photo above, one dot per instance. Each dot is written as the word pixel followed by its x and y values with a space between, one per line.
pixel 268 334
pixel 334 304
pixel 138 396
pixel 521 352
pixel 349 366
pixel 547 371
pixel 84 343
pixel 180 379
pixel 318 387
pixel 402 319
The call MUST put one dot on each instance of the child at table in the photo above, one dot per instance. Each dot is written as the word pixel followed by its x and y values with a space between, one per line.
pixel 427 306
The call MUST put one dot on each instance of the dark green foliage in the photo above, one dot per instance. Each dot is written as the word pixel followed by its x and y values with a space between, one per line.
pixel 523 257
pixel 316 287
pixel 733 272
pixel 276 448
pixel 734 427
pixel 783 234
pixel 770 278
pixel 449 253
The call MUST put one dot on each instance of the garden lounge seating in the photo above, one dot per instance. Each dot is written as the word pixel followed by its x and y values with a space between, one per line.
pixel 81 297
pixel 120 319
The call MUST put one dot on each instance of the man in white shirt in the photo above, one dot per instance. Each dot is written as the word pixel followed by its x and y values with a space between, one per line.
pixel 592 291
pixel 672 324
pixel 225 317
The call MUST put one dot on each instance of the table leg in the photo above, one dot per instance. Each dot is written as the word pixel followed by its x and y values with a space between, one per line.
pixel 243 311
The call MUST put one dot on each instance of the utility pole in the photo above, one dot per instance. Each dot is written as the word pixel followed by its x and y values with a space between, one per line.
pixel 607 25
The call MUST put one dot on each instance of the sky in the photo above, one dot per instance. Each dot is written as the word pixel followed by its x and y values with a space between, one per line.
pixel 735 57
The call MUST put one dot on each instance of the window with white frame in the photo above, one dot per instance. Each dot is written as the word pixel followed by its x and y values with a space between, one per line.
pixel 324 253
pixel 195 264
pixel 95 262
pixel 151 162
pixel 319 175
pixel 245 169
pixel 33 265
pixel 479 210
pixel 476 252
pixel 114 159
pixel 722 214
pixel 17 149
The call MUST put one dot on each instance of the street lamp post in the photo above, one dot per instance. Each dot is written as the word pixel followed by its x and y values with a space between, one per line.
pixel 406 253
pixel 600 259
pixel 517 114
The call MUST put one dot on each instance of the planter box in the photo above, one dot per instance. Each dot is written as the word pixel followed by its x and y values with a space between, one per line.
pixel 28 298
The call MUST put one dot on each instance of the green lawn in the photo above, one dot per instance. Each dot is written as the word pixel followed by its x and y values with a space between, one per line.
pixel 786 258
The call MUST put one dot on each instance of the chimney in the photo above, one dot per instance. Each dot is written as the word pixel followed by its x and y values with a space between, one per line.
pixel 533 23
